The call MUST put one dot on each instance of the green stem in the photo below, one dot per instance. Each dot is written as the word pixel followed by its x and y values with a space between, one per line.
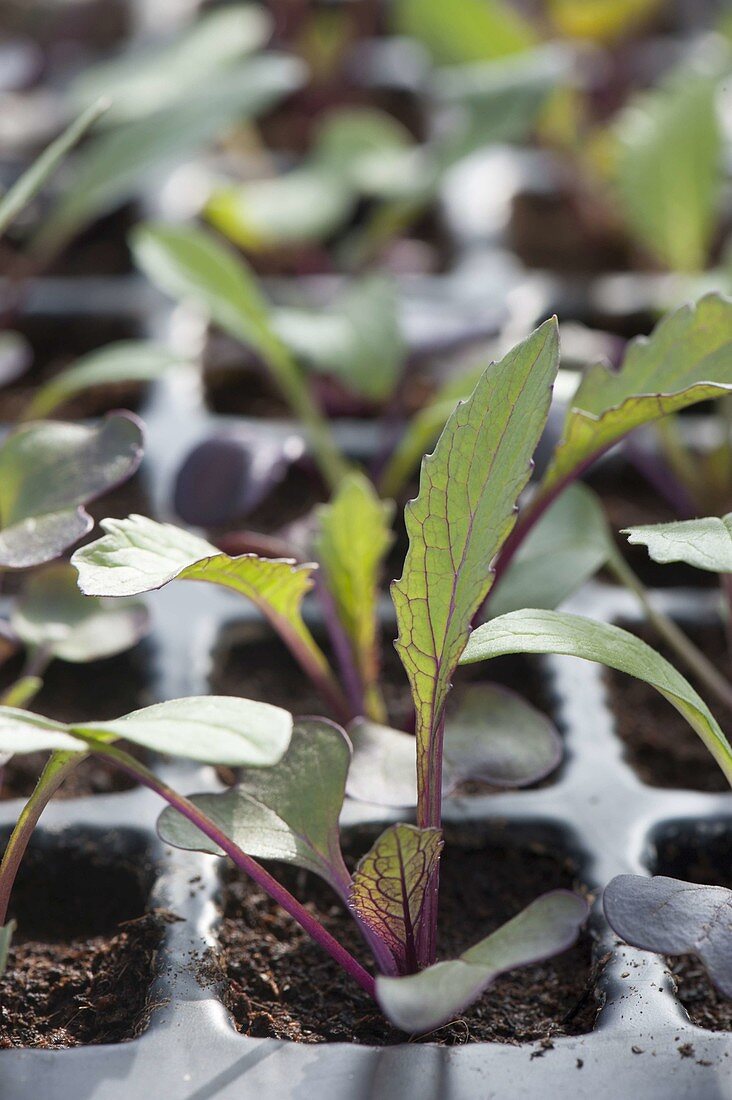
pixel 288 376
pixel 58 767
pixel 682 645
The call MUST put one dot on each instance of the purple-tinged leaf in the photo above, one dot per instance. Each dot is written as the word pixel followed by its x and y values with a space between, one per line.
pixel 289 812
pixel 384 766
pixel 224 478
pixel 389 888
pixel 673 917
pixel 494 736
pixel 138 555
pixel 463 514
pixel 54 615
pixel 491 735
pixel 48 471
pixel 421 1002
pixel 686 359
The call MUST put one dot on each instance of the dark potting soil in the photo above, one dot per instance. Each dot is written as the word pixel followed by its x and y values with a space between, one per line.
pixel 698 854
pixel 101 690
pixel 57 340
pixel 659 744
pixel 630 501
pixel 250 662
pixel 84 953
pixel 279 984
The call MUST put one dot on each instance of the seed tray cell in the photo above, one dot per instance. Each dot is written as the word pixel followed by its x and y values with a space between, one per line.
pixel 643 1042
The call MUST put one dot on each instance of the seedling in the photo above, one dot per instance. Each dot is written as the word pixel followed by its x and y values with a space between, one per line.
pixel 661 914
pixel 462 534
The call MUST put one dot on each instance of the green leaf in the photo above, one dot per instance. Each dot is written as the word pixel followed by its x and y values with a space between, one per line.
pixel 126 361
pixel 462 516
pixel 216 729
pixel 491 735
pixel 497 101
pixel 496 737
pixel 466 30
pixel 358 340
pixel 190 264
pixel 7 932
pixel 533 631
pixel 289 812
pixel 424 1001
pixel 390 884
pixel 303 206
pixel 144 80
pixel 686 359
pixel 52 614
pixel 47 471
pixel 119 163
pixel 138 555
pixel 23 732
pixel 564 550
pixel 670 168
pixel 354 535
pixel 213 730
pixel 32 180
pixel 704 543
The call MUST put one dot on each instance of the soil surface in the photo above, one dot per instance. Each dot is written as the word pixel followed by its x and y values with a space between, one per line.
pixel 102 690
pixel 84 953
pixel 57 340
pixel 698 855
pixel 280 984
pixel 660 745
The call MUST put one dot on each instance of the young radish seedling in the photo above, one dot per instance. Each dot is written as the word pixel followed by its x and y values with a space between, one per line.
pixel 662 914
pixel 48 471
pixel 462 523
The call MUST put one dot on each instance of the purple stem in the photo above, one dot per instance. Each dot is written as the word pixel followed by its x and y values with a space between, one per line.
pixel 429 816
pixel 245 863
pixel 341 648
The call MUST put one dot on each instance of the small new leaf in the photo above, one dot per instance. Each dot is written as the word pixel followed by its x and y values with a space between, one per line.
pixel 389 888
pixel 535 631
pixel 289 812
pixel 704 543
pixel 675 918
pixel 423 1001
pixel 686 359
pixel 353 538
